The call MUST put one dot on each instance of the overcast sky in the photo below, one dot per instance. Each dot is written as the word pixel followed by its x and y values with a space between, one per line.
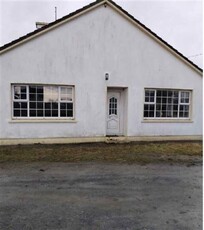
pixel 178 22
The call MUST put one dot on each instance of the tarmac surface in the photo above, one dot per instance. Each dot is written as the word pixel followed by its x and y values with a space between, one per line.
pixel 100 196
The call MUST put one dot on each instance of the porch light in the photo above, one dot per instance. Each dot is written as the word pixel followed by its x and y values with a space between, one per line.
pixel 106 76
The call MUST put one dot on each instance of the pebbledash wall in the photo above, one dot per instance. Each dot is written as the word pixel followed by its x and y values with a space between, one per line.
pixel 79 53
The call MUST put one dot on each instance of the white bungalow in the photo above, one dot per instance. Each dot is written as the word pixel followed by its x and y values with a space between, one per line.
pixel 94 73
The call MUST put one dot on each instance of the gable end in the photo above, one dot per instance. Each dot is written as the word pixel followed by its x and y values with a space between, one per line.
pixel 87 8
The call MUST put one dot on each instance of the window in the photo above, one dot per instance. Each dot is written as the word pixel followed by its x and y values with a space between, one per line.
pixel 39 101
pixel 162 103
pixel 113 106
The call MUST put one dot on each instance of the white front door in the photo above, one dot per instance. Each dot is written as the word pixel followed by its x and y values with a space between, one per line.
pixel 114 113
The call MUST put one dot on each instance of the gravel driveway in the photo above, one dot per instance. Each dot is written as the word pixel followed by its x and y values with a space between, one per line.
pixel 100 196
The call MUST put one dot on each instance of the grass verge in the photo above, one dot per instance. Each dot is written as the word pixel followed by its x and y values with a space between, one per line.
pixel 143 153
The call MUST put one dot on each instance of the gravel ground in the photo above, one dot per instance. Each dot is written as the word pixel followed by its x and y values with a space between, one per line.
pixel 100 196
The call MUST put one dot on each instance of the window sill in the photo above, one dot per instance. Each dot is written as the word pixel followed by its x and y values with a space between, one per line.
pixel 42 121
pixel 167 121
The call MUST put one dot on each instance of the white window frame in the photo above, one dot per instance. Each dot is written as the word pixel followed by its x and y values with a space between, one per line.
pixel 19 100
pixel 28 104
pixel 179 103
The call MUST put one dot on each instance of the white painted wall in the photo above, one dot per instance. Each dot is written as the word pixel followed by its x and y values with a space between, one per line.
pixel 79 53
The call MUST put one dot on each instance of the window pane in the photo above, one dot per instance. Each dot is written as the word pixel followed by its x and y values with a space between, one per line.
pixel 149 110
pixel 175 114
pixel 55 93
pixel 23 96
pixel 158 113
pixel 184 111
pixel 70 106
pixel 66 97
pixel 47 113
pixel 164 100
pixel 169 113
pixel 146 93
pixel 184 108
pixel 33 113
pixel 39 89
pixel 145 113
pixel 159 93
pixel 47 105
pixel 36 100
pixel 20 93
pixel 149 95
pixel 39 105
pixel 186 114
pixel 32 97
pixel 24 113
pixel 16 105
pixel 33 94
pixel 66 93
pixel 151 107
pixel 112 106
pixel 69 113
pixel 39 97
pixel 17 92
pixel 54 113
pixel 55 106
pixel 163 107
pixel 169 93
pixel 158 99
pixel 20 109
pixel 158 106
pixel 39 113
pixel 151 113
pixel 16 113
pixel 66 109
pixel 175 94
pixel 24 105
pixel 33 105
pixel 145 107
pixel 164 93
pixel 50 93
pixel 158 110
pixel 175 107
pixel 170 100
pixel 66 90
pixel 62 106
pixel 32 89
pixel 62 113
pixel 184 97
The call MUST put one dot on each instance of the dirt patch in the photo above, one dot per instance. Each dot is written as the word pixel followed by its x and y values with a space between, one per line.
pixel 143 153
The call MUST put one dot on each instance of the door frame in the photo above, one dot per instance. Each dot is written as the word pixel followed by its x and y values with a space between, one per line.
pixel 122 109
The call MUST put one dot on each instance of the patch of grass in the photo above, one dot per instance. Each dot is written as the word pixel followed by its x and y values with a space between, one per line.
pixel 174 152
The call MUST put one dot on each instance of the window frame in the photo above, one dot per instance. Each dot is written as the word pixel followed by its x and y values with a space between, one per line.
pixel 28 117
pixel 190 91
